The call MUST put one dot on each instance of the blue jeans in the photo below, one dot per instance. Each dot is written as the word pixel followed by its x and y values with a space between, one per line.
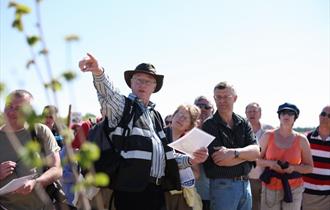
pixel 229 194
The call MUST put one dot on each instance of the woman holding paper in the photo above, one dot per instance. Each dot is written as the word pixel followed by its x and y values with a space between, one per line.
pixel 184 119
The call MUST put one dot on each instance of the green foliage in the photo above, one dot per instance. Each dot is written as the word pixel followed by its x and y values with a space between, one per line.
pixel 32 40
pixel 71 38
pixel 30 154
pixel 98 179
pixel 12 4
pixel 55 85
pixel 101 179
pixel 2 88
pixel 30 116
pixel 2 119
pixel 17 23
pixel 20 10
pixel 89 152
pixel 69 75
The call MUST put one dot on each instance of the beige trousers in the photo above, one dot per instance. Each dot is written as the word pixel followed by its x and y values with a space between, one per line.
pixel 315 202
pixel 273 199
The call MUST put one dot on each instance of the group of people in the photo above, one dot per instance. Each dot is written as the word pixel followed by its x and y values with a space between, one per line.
pixel 249 165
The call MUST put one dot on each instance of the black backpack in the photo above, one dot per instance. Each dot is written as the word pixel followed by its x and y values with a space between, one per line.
pixel 110 158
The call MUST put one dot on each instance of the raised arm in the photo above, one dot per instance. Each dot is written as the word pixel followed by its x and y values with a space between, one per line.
pixel 89 63
pixel 111 101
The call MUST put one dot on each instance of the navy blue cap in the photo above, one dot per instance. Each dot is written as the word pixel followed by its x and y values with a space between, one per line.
pixel 288 106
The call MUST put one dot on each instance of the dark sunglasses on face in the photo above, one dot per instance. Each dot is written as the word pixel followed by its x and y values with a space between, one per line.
pixel 204 106
pixel 288 112
pixel 324 114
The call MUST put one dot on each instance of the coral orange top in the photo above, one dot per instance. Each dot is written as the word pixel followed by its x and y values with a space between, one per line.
pixel 292 155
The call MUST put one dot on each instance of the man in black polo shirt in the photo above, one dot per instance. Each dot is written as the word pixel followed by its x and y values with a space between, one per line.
pixel 231 153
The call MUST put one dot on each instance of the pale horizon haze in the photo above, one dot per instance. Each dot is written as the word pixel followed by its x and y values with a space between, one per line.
pixel 272 51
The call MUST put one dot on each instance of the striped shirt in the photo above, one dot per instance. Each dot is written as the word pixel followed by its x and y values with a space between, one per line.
pixel 318 182
pixel 113 104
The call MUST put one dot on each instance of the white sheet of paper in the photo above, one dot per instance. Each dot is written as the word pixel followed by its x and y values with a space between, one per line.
pixel 193 140
pixel 15 184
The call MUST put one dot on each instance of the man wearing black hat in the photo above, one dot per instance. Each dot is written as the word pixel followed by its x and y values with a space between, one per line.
pixel 148 165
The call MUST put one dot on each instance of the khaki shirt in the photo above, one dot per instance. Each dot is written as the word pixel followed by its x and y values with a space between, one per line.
pixel 8 152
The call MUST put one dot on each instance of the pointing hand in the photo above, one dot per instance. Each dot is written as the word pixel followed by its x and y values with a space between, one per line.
pixel 89 63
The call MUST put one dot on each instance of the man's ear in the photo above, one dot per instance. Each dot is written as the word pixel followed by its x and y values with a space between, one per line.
pixel 154 88
pixel 235 98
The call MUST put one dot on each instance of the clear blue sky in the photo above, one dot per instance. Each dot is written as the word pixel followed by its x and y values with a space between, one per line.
pixel 272 51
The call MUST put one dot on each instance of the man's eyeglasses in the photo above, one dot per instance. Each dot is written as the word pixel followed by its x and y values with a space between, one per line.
pixel 288 112
pixel 324 114
pixel 204 106
pixel 143 82
pixel 226 98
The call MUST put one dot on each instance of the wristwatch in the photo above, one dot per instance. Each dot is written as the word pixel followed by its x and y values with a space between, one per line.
pixel 236 153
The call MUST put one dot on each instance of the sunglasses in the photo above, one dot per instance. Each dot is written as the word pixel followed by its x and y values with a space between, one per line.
pixel 288 112
pixel 324 114
pixel 204 106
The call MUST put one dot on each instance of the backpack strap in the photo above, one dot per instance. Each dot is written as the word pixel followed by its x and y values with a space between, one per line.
pixel 157 120
pixel 124 121
pixel 128 114
pixel 35 138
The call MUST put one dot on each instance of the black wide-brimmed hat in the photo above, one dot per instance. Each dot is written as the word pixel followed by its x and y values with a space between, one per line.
pixel 145 68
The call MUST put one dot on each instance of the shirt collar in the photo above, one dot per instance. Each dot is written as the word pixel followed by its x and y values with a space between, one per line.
pixel 237 120
pixel 316 135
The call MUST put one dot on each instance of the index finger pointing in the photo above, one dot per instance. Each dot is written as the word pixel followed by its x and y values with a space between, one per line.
pixel 91 56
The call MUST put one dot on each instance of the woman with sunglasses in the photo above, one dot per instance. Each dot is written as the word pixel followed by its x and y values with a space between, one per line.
pixel 285 155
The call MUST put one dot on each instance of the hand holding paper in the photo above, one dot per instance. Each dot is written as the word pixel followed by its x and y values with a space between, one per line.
pixel 194 140
pixel 15 184
pixel 199 156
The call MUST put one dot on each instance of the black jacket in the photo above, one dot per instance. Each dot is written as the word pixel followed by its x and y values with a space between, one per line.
pixel 136 152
